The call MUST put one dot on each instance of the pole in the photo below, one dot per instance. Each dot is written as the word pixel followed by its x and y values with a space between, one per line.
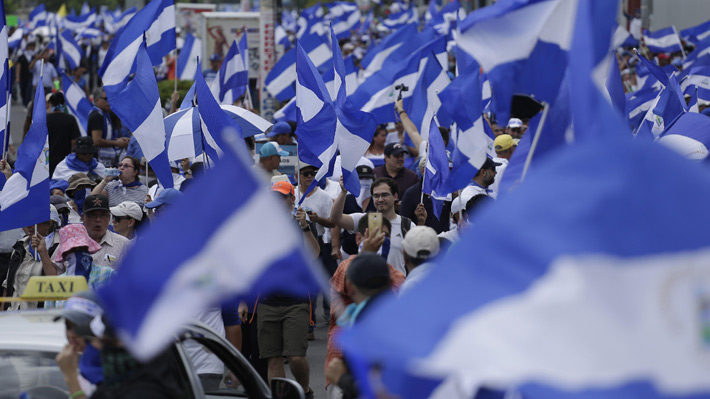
pixel 460 205
pixel 176 69
pixel 146 173
pixel 36 259
pixel 8 102
pixel 536 139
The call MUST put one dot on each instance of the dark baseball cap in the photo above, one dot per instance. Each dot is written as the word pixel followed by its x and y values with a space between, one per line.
pixel 395 149
pixel 364 172
pixel 489 164
pixel 84 145
pixel 96 202
pixel 369 270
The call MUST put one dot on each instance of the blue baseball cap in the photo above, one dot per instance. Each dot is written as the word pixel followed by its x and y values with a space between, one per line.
pixel 215 57
pixel 270 148
pixel 168 196
pixel 279 128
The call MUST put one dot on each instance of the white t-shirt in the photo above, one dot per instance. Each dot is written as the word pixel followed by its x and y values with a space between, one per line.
pixel 320 203
pixel 499 174
pixel 395 256
pixel 203 361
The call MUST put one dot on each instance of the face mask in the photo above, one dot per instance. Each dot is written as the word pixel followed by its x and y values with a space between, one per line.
pixel 79 197
pixel 79 264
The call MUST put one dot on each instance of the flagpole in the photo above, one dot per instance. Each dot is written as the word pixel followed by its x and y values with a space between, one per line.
pixel 176 69
pixel 8 98
pixel 536 139
pixel 36 249
pixel 460 204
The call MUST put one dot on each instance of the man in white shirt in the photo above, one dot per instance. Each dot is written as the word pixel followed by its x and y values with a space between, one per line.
pixel 384 195
pixel 481 182
pixel 504 146
pixel 96 217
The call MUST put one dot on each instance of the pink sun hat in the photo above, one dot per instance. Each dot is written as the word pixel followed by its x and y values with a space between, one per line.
pixel 74 236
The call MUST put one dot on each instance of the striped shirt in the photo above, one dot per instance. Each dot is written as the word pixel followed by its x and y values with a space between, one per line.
pixel 117 193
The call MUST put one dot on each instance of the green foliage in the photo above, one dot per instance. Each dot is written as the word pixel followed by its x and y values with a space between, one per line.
pixel 166 88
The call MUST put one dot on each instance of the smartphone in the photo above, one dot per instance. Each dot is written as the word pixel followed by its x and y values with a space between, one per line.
pixel 374 222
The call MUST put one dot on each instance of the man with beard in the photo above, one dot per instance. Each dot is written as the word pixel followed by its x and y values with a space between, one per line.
pixel 483 179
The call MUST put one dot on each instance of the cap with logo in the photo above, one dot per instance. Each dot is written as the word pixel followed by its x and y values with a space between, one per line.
pixel 365 172
pixel 503 142
pixel 96 202
pixel 515 122
pixel 395 149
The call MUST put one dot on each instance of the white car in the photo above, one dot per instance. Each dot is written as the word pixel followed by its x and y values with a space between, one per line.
pixel 30 341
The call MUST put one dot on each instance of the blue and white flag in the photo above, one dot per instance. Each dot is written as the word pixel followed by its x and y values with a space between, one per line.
pixel 447 17
pixel 232 79
pixel 615 87
pixel 377 93
pixel 461 100
pixel 351 83
pixel 15 39
pixel 571 305
pixel 689 136
pixel 664 40
pixel 113 24
pixel 138 106
pixel 71 52
pixel 288 22
pixel 311 22
pixel 38 17
pixel 24 200
pixel 345 17
pixel 493 37
pixel 5 79
pixel 327 123
pixel 281 37
pixel 696 33
pixel 365 26
pixel 397 20
pixel 693 105
pixel 80 22
pixel 436 174
pixel 88 33
pixel 638 103
pixel 157 21
pixel 407 38
pixel 281 80
pixel 695 77
pixel 187 60
pixel 425 101
pixel 431 11
pixel 287 112
pixel 78 105
pixel 669 105
pixel 85 9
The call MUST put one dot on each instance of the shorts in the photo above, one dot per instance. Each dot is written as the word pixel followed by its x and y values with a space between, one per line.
pixel 282 330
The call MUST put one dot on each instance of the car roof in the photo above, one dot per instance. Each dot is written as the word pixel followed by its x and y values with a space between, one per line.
pixel 32 330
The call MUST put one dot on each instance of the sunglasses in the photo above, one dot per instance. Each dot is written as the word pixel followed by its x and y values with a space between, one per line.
pixel 309 173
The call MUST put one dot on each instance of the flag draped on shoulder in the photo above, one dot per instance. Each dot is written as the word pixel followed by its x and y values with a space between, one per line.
pixel 206 265
pixel 138 106
pixel 23 199
pixel 155 21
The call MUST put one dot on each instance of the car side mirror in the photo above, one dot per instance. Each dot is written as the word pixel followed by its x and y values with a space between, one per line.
pixel 282 388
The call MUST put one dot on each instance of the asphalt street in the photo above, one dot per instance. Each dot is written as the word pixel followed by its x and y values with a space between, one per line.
pixel 316 354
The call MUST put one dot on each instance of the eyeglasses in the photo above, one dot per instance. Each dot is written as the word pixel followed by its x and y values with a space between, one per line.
pixel 119 218
pixel 383 195
pixel 125 165
pixel 308 173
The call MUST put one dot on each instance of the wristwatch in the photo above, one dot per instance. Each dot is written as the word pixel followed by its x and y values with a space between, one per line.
pixel 307 228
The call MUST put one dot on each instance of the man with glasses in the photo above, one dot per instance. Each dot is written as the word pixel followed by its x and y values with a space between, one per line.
pixel 103 127
pixel 384 195
pixel 96 218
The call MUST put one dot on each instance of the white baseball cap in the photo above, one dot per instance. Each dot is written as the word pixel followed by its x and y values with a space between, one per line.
pixel 421 242
pixel 515 122
pixel 127 208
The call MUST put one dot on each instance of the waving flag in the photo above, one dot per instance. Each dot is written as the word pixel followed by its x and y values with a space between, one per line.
pixel 425 101
pixel 397 20
pixel 696 33
pixel 23 199
pixel 232 78
pixel 615 87
pixel 668 106
pixel 365 26
pixel 288 21
pixel 534 65
pixel 377 94
pixel 436 175
pixel 327 123
pixel 281 37
pixel 638 104
pixel 38 17
pixel 77 103
pixel 138 106
pixel 696 77
pixel 16 38
pixel 462 101
pixel 664 40
pixel 345 17
pixel 112 23
pixel 157 21
pixel 71 52
pixel 187 60
pixel 407 38
pixel 281 80
pixel 80 22
pixel 442 21
pixel 310 22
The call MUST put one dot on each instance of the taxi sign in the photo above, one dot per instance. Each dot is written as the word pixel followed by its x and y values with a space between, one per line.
pixel 53 287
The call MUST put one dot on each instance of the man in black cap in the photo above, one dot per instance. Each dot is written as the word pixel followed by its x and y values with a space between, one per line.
pixel 80 161
pixel 368 278
pixel 96 218
pixel 394 168
pixel 483 179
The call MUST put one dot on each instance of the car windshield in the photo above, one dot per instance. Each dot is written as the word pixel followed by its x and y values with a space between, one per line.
pixel 31 372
